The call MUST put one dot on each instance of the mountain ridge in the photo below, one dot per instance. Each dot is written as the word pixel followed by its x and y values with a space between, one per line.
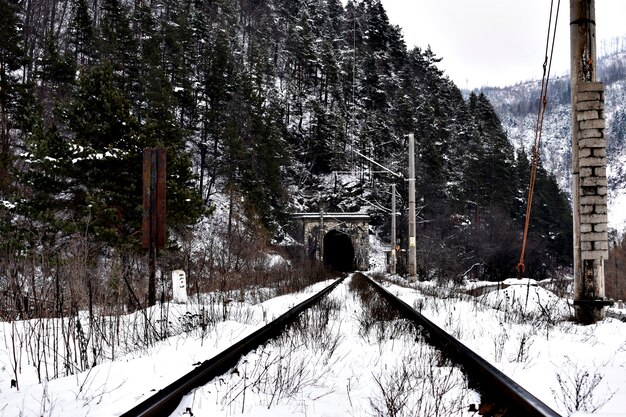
pixel 517 106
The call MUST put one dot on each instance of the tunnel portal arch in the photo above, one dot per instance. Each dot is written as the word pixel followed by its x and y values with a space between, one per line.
pixel 339 251
pixel 317 230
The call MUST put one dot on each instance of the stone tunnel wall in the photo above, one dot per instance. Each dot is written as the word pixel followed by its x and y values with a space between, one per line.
pixel 310 234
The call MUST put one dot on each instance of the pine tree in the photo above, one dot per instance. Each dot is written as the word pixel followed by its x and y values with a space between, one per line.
pixel 254 150
pixel 214 90
pixel 118 47
pixel 323 93
pixel 82 35
pixel 159 126
pixel 11 59
pixel 90 178
pixel 56 72
pixel 551 220
pixel 490 174
pixel 104 181
pixel 522 179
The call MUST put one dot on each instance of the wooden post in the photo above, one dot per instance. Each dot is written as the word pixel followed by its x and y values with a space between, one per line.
pixel 589 182
pixel 153 222
pixel 412 249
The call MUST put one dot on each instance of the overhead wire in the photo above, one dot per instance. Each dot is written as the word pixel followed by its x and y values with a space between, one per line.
pixel 543 102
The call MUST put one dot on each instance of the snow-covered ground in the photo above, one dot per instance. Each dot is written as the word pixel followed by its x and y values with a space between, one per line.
pixel 339 363
pixel 340 369
pixel 524 332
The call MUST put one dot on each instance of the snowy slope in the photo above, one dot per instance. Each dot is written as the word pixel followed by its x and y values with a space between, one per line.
pixel 522 331
pixel 517 107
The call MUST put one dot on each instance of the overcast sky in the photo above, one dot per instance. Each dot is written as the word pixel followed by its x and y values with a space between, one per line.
pixel 495 42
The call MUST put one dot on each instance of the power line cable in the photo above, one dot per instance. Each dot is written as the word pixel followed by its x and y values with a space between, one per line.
pixel 543 102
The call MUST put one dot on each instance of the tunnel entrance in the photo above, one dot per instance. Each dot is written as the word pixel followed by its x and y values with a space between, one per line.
pixel 340 240
pixel 338 251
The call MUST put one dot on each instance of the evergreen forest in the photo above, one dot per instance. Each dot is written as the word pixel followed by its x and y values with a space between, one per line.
pixel 279 105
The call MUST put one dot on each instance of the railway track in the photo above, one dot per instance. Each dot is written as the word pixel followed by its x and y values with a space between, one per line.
pixel 165 401
pixel 500 396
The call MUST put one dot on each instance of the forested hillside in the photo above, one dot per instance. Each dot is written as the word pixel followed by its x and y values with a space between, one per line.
pixel 517 107
pixel 260 101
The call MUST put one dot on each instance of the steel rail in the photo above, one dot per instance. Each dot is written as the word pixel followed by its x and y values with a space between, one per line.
pixel 165 401
pixel 489 378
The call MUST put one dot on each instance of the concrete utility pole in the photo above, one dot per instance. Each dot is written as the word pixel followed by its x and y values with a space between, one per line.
pixel 589 182
pixel 412 254
pixel 392 261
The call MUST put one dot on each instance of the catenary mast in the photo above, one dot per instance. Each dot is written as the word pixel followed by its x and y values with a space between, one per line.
pixel 589 182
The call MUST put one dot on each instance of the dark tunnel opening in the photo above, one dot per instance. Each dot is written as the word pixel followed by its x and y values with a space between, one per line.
pixel 338 251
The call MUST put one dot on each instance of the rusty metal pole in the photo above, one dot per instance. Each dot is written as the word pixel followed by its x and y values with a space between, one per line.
pixel 412 248
pixel 589 182
pixel 153 222
pixel 322 230
pixel 392 255
pixel 152 255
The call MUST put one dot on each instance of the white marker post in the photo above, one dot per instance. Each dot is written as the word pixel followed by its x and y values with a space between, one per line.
pixel 179 286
